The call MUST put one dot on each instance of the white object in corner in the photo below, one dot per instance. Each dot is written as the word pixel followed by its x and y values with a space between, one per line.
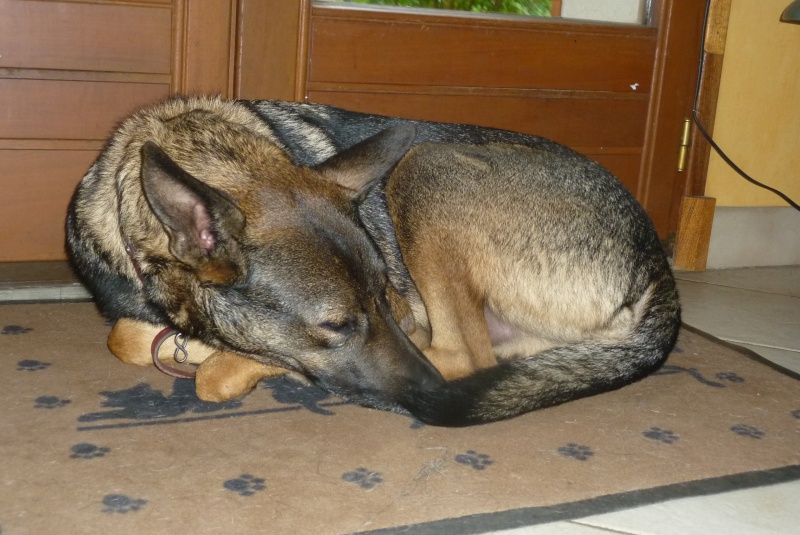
pixel 752 236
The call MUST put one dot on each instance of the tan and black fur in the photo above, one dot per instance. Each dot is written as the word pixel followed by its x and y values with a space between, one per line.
pixel 458 273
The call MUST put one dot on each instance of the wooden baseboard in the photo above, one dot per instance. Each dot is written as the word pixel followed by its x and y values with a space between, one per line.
pixel 694 233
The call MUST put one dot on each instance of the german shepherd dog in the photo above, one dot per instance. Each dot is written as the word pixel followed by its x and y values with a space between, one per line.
pixel 457 273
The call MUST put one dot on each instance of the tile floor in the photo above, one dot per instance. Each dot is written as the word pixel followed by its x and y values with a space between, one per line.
pixel 758 308
pixel 39 281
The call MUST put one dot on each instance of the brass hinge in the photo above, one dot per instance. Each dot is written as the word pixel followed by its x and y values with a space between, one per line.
pixel 685 139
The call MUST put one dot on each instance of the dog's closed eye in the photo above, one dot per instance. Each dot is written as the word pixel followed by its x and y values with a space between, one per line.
pixel 337 332
pixel 344 327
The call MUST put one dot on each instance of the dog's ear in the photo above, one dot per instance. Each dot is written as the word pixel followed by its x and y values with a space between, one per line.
pixel 199 220
pixel 359 166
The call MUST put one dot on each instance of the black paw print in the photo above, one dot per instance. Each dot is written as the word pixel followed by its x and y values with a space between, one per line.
pixel 85 450
pixel 796 413
pixel 478 461
pixel 748 431
pixel 364 478
pixel 119 503
pixel 662 435
pixel 245 484
pixel 731 377
pixel 576 451
pixel 50 402
pixel 30 365
pixel 15 329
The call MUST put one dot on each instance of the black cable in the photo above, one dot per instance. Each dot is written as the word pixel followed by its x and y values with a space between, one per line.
pixel 708 136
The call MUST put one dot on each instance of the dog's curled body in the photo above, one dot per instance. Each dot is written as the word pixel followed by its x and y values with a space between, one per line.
pixel 325 242
pixel 561 264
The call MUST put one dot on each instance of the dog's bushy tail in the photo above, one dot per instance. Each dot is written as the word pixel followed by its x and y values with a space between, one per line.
pixel 559 374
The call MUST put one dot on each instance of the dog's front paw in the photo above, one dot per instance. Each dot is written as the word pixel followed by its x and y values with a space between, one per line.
pixel 226 376
pixel 131 340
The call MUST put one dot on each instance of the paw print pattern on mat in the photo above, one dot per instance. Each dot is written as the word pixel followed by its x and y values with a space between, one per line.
pixel 748 431
pixel 119 503
pixel 30 365
pixel 245 484
pixel 661 435
pixel 15 329
pixel 364 478
pixel 576 451
pixel 85 450
pixel 478 461
pixel 50 402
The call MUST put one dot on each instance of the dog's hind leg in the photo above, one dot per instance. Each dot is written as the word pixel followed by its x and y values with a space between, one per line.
pixel 226 376
pixel 130 341
pixel 460 342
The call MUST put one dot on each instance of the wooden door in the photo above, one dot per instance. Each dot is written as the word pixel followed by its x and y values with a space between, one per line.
pixel 617 93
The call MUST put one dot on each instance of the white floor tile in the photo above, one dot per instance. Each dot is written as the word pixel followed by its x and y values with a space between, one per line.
pixel 787 359
pixel 556 528
pixel 783 280
pixel 744 316
pixel 762 511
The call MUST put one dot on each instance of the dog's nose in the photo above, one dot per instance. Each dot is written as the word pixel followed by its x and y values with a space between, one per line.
pixel 428 378
pixel 431 382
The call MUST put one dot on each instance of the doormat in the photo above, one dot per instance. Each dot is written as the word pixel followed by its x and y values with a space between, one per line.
pixel 91 445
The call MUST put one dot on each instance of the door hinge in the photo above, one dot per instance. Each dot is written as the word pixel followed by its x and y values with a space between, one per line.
pixel 686 135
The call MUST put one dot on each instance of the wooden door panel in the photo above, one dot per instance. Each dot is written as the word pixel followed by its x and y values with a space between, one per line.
pixel 624 165
pixel 37 186
pixel 449 50
pixel 579 121
pixel 67 109
pixel 133 38
pixel 270 48
pixel 205 46
pixel 609 131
